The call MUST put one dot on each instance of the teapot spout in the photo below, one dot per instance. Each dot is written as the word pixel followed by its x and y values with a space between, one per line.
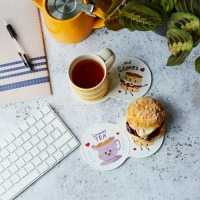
pixel 39 3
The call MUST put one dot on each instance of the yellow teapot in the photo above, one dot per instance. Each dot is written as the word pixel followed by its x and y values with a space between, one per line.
pixel 70 21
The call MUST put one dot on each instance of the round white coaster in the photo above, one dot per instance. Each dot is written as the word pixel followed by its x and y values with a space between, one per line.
pixel 140 151
pixel 105 146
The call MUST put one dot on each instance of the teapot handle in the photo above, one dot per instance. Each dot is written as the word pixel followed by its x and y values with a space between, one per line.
pixel 99 22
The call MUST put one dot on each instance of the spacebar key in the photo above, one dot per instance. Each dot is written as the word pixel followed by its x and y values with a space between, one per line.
pixel 18 187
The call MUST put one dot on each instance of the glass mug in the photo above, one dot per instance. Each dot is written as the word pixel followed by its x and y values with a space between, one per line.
pixel 88 74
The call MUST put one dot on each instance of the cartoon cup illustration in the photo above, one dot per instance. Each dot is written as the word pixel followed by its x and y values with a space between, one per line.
pixel 108 150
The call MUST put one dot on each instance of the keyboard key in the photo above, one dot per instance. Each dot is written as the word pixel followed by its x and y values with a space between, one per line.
pixel 24 126
pixel 50 161
pixel 27 157
pixel 33 130
pixel 36 161
pixel 45 110
pixel 6 174
pixel 8 184
pixel 38 115
pixel 48 118
pixel 20 152
pixel 3 144
pixel 51 150
pixel 13 168
pixel 72 143
pixel 43 167
pixel 48 129
pixel 58 155
pixel 43 156
pixel 31 121
pixel 13 157
pixel 11 148
pixel 4 153
pixel 15 178
pixel 22 172
pixel 1 169
pixel 20 163
pixel 64 147
pixel 49 140
pixel 34 151
pixel 10 138
pixel 6 163
pixel 21 185
pixel 2 190
pixel 17 132
pixel 57 124
pixel 41 134
pixel 40 125
pixel 29 167
pixel 27 146
pixel 42 146
pixel 56 134
pixel 34 140
pixel 18 142
pixel 1 180
pixel 62 140
pixel 26 136
pixel 66 151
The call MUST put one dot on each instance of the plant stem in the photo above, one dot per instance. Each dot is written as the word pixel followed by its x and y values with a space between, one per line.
pixel 122 3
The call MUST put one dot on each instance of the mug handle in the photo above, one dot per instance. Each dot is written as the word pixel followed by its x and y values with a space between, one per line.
pixel 108 57
pixel 99 22
pixel 119 143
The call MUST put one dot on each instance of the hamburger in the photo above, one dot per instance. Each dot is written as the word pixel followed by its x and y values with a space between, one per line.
pixel 145 120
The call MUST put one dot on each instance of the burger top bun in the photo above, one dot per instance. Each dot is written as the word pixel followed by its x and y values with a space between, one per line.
pixel 144 115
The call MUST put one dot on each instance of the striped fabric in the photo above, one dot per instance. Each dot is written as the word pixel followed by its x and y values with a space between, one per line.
pixel 18 82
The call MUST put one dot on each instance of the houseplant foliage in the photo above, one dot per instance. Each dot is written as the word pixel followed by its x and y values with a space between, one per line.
pixel 181 16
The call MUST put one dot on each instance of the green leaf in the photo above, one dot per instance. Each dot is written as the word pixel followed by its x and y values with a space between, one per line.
pixel 139 17
pixel 187 22
pixel 197 65
pixel 180 44
pixel 168 5
pixel 191 6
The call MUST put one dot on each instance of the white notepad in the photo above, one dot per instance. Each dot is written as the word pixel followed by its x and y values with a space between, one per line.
pixel 17 82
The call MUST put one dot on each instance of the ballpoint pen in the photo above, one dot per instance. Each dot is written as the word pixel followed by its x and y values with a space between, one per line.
pixel 21 52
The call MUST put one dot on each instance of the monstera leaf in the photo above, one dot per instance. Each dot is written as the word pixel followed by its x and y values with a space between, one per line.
pixel 168 5
pixel 135 16
pixel 180 44
pixel 104 4
pixel 191 6
pixel 187 22
pixel 197 65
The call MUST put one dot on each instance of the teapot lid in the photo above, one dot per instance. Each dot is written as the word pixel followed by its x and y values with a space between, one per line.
pixel 67 9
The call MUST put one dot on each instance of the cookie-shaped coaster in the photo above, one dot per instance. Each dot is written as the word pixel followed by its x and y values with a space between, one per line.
pixel 129 79
pixel 105 146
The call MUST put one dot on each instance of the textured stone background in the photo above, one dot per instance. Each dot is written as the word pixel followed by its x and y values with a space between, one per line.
pixel 172 173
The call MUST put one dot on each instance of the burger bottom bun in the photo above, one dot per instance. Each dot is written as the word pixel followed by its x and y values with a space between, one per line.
pixel 142 142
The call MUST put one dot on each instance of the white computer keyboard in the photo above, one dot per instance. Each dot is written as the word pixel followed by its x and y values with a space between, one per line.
pixel 31 150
